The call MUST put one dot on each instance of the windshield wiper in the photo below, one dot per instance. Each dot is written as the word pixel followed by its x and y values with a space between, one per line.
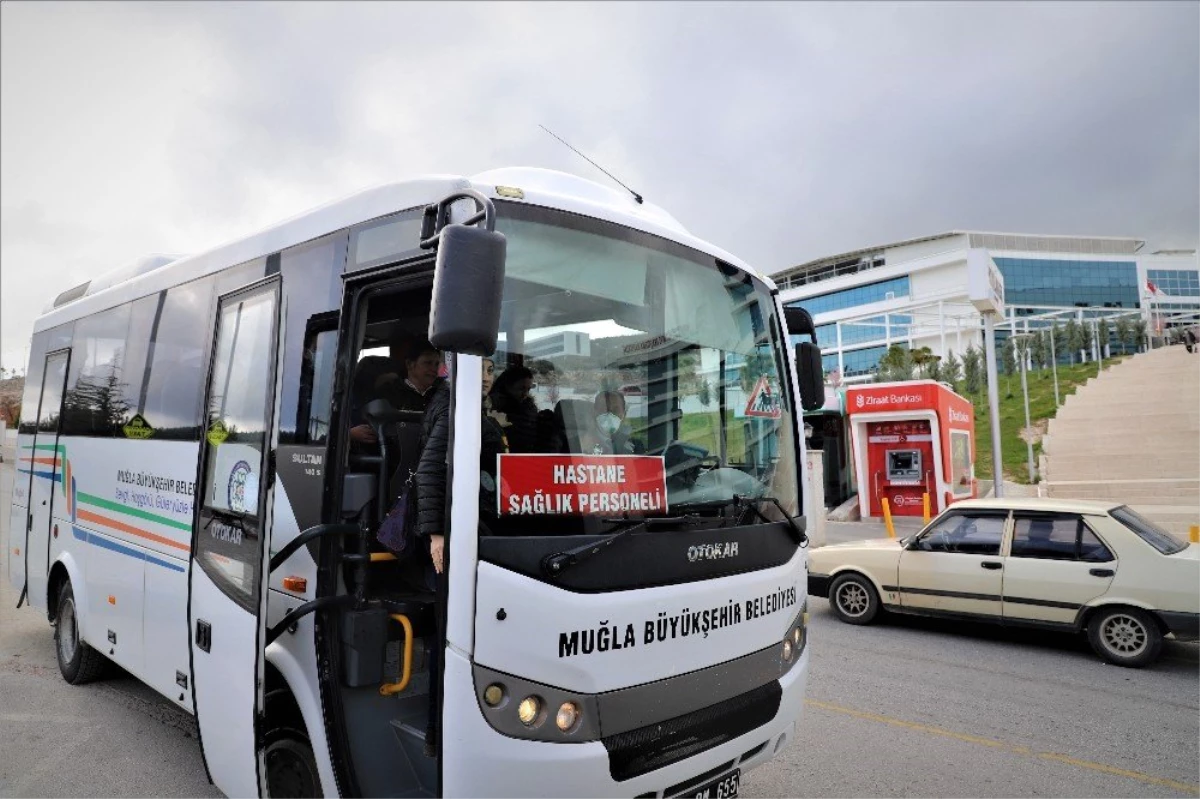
pixel 743 502
pixel 559 562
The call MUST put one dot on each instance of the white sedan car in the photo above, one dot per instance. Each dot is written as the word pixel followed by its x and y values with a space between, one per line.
pixel 1057 564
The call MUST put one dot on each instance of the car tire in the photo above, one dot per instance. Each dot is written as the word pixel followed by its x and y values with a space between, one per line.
pixel 77 661
pixel 291 766
pixel 853 599
pixel 1125 636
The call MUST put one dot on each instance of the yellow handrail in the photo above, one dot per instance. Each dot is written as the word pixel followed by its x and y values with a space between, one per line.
pixel 378 556
pixel 389 688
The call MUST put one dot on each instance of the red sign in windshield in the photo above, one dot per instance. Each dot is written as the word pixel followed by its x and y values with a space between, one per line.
pixel 581 485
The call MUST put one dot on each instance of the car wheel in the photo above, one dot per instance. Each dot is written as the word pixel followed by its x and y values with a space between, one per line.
pixel 854 599
pixel 291 767
pixel 1125 636
pixel 77 661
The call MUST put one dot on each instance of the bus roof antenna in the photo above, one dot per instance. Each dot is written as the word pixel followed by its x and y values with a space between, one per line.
pixel 636 196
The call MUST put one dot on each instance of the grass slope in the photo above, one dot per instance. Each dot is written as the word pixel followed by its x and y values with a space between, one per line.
pixel 1012 416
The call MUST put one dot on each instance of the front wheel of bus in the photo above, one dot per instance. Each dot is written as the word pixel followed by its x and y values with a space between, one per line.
pixel 291 767
pixel 77 661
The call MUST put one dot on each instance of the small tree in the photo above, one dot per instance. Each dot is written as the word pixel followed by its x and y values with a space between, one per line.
pixel 1076 338
pixel 1040 350
pixel 952 370
pixel 1137 333
pixel 705 393
pixel 973 377
pixel 1059 333
pixel 1122 332
pixel 896 364
pixel 1104 333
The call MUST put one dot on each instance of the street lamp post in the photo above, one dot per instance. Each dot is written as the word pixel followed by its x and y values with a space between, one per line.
pixel 989 347
pixel 1054 364
pixel 1028 427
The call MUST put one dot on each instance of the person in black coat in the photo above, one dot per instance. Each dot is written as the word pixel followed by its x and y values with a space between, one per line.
pixel 510 397
pixel 431 526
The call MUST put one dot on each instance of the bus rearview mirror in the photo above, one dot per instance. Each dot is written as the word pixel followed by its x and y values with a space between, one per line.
pixel 467 285
pixel 811 374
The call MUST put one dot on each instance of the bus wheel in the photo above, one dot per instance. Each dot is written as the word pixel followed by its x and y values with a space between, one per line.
pixel 291 767
pixel 77 661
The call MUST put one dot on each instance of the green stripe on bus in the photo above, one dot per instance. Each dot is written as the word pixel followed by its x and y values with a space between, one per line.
pixel 55 447
pixel 141 514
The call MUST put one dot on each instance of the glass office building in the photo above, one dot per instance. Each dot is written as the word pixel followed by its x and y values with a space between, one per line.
pixel 888 294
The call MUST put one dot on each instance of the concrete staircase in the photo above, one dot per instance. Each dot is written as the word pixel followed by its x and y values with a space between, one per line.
pixel 1132 435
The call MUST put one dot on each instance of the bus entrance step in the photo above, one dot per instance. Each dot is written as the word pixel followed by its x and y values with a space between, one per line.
pixel 410 737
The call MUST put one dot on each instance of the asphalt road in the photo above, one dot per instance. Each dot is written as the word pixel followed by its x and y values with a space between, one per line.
pixel 903 708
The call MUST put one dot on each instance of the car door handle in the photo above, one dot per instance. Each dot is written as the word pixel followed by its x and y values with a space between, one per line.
pixel 1101 572
pixel 991 564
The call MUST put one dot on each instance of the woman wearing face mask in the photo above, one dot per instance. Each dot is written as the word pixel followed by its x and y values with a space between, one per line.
pixel 430 481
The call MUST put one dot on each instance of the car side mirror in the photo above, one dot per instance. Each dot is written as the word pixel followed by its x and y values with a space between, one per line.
pixel 811 373
pixel 468 278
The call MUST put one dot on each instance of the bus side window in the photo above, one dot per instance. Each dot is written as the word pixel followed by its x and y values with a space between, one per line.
pixel 179 355
pixel 95 403
pixel 316 387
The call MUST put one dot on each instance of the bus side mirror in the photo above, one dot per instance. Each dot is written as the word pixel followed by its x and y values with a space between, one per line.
pixel 467 282
pixel 811 372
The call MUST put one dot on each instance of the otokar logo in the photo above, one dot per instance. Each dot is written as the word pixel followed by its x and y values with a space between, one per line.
pixel 712 551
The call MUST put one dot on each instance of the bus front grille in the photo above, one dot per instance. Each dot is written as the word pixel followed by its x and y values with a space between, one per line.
pixel 656 745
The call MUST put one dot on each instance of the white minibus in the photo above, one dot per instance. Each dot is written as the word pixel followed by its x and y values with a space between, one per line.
pixel 224 467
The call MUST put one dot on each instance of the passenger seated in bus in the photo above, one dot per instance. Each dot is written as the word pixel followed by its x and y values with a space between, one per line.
pixel 510 398
pixel 430 482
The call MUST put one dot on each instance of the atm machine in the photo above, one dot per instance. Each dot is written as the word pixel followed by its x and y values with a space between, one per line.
pixel 911 439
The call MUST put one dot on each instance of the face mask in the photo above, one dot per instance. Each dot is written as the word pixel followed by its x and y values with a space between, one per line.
pixel 608 423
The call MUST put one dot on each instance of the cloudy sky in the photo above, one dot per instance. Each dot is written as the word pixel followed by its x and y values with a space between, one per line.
pixel 782 132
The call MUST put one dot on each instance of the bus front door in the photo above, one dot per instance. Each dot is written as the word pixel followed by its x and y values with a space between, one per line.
pixel 227 592
pixel 46 466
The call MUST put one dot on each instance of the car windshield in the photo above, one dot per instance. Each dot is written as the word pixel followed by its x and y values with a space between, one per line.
pixel 1148 531
pixel 635 377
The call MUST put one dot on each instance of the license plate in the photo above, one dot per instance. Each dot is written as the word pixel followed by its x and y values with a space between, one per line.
pixel 725 787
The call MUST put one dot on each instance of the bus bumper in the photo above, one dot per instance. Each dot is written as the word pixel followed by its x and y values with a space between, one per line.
pixel 478 761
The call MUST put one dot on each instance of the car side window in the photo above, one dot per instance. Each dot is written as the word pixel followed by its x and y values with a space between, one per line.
pixel 1091 548
pixel 965 534
pixel 1056 537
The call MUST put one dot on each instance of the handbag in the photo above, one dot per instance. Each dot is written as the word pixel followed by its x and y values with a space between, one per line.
pixel 395 530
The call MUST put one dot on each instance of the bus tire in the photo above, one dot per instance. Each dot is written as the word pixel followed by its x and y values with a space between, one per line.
pixel 77 661
pixel 291 766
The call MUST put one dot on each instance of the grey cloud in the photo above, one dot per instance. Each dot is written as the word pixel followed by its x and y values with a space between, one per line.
pixel 781 131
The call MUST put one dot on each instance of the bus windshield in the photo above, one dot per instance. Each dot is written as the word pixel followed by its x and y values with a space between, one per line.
pixel 635 377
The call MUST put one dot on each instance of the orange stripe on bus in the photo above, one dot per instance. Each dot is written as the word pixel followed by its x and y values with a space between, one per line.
pixel 47 461
pixel 126 528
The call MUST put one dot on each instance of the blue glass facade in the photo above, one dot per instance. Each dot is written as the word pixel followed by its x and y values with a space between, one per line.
pixel 857 362
pixel 859 295
pixel 1175 282
pixel 1045 281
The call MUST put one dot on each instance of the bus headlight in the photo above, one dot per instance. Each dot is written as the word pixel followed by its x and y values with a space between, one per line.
pixel 567 717
pixel 493 694
pixel 787 650
pixel 529 710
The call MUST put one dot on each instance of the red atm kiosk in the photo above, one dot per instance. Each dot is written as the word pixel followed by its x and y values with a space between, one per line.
pixel 910 439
